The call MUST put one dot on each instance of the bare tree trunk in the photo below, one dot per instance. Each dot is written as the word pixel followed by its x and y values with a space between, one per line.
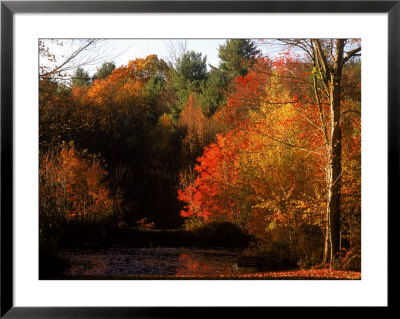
pixel 331 76
pixel 335 168
pixel 328 65
pixel 326 238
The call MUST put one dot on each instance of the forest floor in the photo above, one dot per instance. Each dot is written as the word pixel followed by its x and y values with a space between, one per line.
pixel 310 274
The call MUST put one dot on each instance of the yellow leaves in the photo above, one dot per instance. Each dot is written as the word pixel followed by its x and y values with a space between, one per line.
pixel 144 69
pixel 165 121
pixel 199 128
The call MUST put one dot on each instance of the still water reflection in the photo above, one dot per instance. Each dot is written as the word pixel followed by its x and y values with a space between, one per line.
pixel 153 261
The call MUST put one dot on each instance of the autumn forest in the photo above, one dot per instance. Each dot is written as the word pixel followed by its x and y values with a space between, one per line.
pixel 165 167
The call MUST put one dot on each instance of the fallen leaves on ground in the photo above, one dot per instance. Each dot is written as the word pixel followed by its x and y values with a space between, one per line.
pixel 296 274
pixel 310 274
pixel 306 274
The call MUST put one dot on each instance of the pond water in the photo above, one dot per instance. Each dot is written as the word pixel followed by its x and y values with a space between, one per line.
pixel 153 261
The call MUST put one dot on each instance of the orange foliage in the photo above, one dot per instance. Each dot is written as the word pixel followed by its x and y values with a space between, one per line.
pixel 72 183
pixel 124 96
pixel 269 169
pixel 126 83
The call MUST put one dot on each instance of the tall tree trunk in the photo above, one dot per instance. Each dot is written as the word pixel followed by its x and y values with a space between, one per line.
pixel 331 77
pixel 335 171
pixel 335 158
pixel 329 60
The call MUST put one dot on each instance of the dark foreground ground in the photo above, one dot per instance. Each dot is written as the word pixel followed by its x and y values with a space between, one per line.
pixel 311 274
pixel 167 255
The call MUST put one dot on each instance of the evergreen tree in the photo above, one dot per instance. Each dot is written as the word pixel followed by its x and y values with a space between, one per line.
pixel 104 71
pixel 188 76
pixel 192 67
pixel 80 78
pixel 237 56
pixel 213 92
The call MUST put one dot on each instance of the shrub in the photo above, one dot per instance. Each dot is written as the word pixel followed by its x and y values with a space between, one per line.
pixel 221 234
pixel 349 260
pixel 142 224
pixel 275 255
pixel 309 245
pixel 72 186
pixel 193 223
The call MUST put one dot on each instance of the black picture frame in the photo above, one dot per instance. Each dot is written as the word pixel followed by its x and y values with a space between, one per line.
pixel 9 8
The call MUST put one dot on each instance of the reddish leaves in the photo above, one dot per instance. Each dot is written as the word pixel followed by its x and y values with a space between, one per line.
pixel 269 169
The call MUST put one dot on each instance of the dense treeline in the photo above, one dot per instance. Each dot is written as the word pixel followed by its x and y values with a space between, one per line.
pixel 256 142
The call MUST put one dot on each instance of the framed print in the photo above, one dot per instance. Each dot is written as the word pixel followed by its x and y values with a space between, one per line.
pixel 158 156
